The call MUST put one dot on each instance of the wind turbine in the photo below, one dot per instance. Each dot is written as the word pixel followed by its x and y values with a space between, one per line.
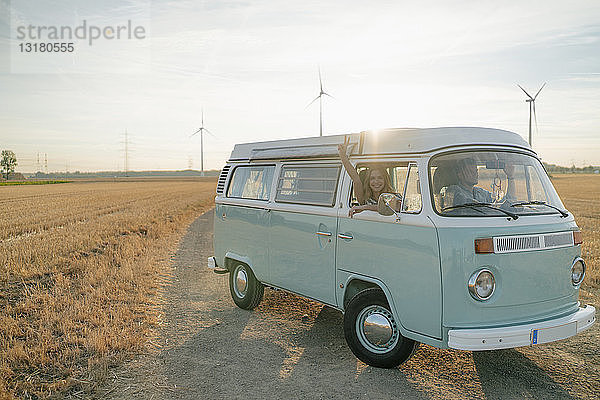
pixel 201 130
pixel 320 98
pixel 531 101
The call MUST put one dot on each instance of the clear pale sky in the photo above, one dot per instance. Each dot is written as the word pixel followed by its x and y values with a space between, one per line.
pixel 253 67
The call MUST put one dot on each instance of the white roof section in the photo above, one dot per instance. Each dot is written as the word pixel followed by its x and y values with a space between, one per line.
pixel 387 141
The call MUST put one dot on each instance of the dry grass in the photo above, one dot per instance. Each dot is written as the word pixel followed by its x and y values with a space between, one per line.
pixel 581 195
pixel 80 269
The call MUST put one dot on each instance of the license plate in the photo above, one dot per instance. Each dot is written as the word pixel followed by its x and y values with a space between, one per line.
pixel 554 333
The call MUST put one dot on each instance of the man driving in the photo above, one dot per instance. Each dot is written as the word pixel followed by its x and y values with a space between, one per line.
pixel 465 190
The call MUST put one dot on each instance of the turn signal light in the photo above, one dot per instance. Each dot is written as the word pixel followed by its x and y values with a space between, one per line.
pixel 484 246
pixel 577 237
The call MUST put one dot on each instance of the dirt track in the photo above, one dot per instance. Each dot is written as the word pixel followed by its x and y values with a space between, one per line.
pixel 290 347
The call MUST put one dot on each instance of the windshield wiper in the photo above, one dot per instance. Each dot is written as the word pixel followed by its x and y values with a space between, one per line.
pixel 563 213
pixel 487 205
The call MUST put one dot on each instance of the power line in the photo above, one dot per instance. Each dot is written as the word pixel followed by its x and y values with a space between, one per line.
pixel 126 153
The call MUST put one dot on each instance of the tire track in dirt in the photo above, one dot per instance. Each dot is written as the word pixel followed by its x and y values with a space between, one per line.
pixel 290 347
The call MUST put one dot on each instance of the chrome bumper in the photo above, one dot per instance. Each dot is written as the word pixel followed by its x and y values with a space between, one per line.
pixel 522 335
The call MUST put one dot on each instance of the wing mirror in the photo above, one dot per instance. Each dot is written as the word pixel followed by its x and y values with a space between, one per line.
pixel 389 204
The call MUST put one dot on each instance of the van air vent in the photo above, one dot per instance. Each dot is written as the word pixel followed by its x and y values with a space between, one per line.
pixel 222 179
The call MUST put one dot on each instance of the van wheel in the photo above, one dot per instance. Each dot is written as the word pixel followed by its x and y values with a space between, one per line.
pixel 245 289
pixel 372 333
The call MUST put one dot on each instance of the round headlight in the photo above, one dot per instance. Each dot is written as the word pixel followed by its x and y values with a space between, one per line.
pixel 577 271
pixel 482 284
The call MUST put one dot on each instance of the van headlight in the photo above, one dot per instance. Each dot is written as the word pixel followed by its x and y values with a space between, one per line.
pixel 577 271
pixel 482 284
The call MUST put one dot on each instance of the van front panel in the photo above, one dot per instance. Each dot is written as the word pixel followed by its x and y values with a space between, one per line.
pixel 531 285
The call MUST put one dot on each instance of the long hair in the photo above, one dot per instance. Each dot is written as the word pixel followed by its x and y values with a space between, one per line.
pixel 387 186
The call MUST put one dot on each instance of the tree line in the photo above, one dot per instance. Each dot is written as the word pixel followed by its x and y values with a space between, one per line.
pixel 557 169
pixel 8 161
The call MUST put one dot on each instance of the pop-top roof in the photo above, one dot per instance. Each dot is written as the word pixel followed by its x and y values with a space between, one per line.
pixel 387 141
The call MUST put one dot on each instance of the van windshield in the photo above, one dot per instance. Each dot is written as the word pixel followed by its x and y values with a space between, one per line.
pixel 491 183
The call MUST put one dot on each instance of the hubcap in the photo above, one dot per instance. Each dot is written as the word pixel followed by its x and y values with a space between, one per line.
pixel 376 329
pixel 241 281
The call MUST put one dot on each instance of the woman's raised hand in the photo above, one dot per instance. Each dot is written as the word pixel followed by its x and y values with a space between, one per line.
pixel 343 148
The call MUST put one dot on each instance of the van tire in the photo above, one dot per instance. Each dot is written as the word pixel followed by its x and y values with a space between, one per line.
pixel 246 295
pixel 370 305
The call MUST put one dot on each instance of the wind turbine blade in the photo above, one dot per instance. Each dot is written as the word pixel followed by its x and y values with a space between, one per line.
pixel 194 134
pixel 528 95
pixel 320 81
pixel 538 92
pixel 327 94
pixel 316 98
pixel 209 132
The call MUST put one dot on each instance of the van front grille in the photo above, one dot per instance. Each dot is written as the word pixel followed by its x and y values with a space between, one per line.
pixel 222 179
pixel 508 244
pixel 511 244
pixel 558 239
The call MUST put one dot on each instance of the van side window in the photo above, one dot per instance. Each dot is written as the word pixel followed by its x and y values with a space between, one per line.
pixel 315 185
pixel 412 196
pixel 251 182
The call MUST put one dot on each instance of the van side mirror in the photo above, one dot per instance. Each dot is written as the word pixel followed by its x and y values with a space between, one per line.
pixel 389 204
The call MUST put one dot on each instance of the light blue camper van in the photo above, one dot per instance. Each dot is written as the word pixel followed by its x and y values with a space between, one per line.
pixel 480 254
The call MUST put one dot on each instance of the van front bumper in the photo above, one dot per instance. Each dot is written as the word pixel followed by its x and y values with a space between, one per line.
pixel 523 335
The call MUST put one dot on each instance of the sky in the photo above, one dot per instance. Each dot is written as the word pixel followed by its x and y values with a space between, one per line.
pixel 252 67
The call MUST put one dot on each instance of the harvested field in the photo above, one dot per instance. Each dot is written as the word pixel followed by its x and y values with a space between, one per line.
pixel 20 183
pixel 81 267
pixel 581 195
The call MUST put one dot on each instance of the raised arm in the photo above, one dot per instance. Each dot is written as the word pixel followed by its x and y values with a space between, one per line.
pixel 358 185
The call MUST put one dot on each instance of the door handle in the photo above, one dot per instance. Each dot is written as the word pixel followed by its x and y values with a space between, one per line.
pixel 345 236
pixel 323 233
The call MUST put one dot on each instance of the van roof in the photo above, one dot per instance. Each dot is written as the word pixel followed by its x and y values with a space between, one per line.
pixel 386 141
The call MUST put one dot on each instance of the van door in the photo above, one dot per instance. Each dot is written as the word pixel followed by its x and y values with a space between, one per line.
pixel 402 254
pixel 303 230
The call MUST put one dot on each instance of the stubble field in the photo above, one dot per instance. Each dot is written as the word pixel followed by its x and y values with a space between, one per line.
pixel 581 196
pixel 82 267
